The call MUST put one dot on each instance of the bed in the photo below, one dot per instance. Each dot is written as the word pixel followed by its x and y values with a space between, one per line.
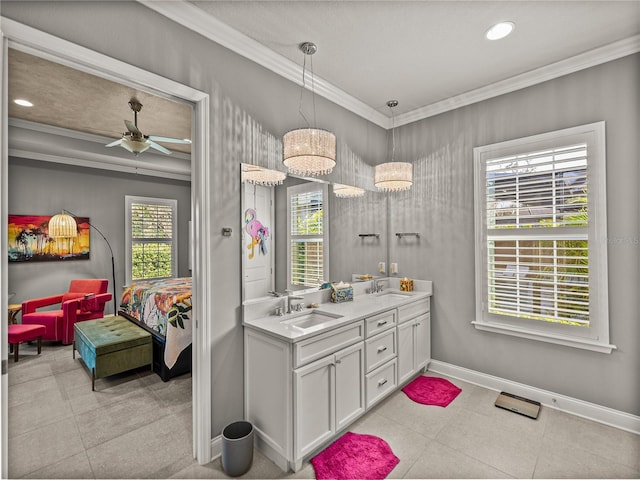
pixel 163 308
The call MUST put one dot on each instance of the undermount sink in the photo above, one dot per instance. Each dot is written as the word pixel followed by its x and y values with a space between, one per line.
pixel 310 319
pixel 389 294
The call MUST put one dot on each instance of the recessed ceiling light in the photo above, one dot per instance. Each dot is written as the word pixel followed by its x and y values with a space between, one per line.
pixel 23 103
pixel 500 30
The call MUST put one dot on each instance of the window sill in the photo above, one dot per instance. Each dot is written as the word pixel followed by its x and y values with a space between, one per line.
pixel 576 342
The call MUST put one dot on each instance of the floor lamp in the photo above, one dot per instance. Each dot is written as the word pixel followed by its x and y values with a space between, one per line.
pixel 64 225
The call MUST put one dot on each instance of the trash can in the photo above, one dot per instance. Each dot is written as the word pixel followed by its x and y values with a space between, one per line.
pixel 237 448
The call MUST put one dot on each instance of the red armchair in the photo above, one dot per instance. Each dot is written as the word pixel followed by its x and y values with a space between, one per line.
pixel 85 300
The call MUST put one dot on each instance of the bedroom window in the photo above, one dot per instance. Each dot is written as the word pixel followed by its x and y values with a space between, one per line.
pixel 151 236
pixel 307 214
pixel 541 258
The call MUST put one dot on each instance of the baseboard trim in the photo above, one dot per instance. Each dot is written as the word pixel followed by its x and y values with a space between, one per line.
pixel 216 447
pixel 563 403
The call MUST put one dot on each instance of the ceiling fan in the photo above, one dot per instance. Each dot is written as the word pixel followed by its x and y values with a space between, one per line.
pixel 135 141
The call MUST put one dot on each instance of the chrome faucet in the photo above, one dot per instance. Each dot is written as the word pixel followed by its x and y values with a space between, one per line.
pixel 297 307
pixel 377 285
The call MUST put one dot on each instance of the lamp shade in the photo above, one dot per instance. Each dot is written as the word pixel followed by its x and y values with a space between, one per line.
pixel 309 151
pixel 62 226
pixel 262 176
pixel 347 191
pixel 393 176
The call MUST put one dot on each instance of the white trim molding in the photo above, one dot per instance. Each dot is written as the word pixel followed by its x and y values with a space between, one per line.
pixel 195 19
pixel 591 411
pixel 36 42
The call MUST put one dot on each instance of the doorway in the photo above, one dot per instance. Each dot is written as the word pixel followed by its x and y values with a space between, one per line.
pixel 32 41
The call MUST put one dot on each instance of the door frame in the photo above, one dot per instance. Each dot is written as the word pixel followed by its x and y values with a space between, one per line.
pixel 31 40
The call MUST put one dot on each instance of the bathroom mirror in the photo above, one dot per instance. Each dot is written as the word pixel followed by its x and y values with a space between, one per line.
pixel 357 235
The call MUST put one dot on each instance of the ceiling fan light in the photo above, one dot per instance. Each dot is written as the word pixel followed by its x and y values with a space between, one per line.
pixel 347 191
pixel 309 151
pixel 262 176
pixel 393 176
pixel 135 146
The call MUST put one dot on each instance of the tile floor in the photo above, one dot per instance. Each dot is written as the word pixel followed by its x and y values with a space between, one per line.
pixel 136 426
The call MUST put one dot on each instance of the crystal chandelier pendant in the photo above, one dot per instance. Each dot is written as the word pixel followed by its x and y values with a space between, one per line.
pixel 309 152
pixel 347 191
pixel 393 176
pixel 262 176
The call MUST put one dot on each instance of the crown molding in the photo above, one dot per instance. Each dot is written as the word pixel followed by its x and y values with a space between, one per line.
pixel 604 54
pixel 193 18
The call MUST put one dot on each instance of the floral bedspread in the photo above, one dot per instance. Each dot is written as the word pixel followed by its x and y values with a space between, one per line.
pixel 164 306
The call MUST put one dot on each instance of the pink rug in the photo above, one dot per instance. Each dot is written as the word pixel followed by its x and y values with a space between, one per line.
pixel 431 391
pixel 355 456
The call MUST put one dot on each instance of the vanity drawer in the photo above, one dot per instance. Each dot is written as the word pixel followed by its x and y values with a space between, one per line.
pixel 380 322
pixel 407 312
pixel 311 349
pixel 380 348
pixel 380 382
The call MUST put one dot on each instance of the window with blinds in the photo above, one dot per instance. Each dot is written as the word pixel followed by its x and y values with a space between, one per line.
pixel 537 238
pixel 540 206
pixel 307 212
pixel 151 238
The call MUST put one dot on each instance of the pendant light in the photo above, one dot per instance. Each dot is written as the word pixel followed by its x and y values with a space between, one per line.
pixel 309 151
pixel 347 191
pixel 262 176
pixel 393 176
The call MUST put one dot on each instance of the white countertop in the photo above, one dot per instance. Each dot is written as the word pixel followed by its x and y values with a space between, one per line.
pixel 362 306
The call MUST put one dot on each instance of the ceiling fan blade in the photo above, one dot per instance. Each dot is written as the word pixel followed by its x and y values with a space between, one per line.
pixel 168 139
pixel 132 128
pixel 113 144
pixel 158 147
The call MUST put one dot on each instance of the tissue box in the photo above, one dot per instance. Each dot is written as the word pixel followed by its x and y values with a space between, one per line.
pixel 341 295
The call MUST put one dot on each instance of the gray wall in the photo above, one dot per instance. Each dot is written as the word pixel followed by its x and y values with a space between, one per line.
pixel 239 91
pixel 440 206
pixel 43 188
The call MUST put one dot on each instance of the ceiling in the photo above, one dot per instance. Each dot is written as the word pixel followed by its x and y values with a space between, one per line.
pixel 431 56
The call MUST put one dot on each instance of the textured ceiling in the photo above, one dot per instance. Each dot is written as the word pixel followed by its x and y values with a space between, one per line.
pixel 68 98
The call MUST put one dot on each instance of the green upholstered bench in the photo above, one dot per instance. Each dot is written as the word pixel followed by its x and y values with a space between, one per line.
pixel 111 345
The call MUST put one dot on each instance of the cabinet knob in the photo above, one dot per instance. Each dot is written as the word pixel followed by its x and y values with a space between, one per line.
pixel 381 349
pixel 338 361
pixel 382 322
pixel 382 382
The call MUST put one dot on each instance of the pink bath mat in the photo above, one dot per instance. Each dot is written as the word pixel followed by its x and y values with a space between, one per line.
pixel 431 391
pixel 355 456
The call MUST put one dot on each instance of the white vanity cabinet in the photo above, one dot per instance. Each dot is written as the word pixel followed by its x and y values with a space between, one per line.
pixel 303 389
pixel 414 338
pixel 298 395
pixel 381 351
pixel 328 396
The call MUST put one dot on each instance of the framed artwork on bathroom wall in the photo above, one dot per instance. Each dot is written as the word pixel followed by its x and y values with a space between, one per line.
pixel 29 240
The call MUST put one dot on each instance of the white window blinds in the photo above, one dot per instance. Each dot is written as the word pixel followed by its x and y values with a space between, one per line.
pixel 151 228
pixel 540 227
pixel 307 235
pixel 537 240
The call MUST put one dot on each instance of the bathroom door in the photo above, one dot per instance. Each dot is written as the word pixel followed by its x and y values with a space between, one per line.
pixel 258 241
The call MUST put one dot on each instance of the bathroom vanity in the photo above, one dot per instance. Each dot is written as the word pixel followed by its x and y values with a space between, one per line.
pixel 310 374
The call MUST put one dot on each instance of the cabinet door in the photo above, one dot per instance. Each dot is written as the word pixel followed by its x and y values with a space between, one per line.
pixel 406 351
pixel 349 384
pixel 423 340
pixel 314 405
